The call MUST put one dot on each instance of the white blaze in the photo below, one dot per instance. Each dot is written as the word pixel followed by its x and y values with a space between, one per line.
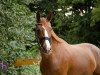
pixel 46 42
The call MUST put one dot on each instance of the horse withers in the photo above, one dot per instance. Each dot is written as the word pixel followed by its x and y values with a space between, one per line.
pixel 61 58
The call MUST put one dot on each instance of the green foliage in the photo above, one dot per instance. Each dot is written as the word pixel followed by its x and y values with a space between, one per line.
pixel 16 23
pixel 30 70
pixel 96 13
pixel 17 18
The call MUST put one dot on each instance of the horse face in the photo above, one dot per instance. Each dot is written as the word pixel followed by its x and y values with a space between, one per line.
pixel 44 29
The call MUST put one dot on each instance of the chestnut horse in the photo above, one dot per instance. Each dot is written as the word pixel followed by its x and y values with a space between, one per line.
pixel 61 58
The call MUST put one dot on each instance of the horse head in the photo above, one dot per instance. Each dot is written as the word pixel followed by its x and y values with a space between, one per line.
pixel 43 32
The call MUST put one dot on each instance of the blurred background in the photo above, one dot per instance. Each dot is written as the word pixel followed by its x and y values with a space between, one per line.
pixel 75 21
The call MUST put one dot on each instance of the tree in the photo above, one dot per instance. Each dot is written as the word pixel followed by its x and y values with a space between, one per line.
pixel 16 35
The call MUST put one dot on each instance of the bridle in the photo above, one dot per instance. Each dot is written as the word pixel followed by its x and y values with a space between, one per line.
pixel 40 40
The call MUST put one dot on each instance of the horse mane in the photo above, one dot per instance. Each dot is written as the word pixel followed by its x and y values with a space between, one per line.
pixel 54 36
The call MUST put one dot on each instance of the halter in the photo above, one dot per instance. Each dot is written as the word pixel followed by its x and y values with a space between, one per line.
pixel 39 40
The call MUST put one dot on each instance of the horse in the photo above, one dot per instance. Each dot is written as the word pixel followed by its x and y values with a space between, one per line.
pixel 61 58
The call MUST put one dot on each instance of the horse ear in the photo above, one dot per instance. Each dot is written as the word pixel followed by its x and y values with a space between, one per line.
pixel 49 17
pixel 38 16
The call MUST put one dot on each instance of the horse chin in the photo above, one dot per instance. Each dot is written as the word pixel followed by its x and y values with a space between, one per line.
pixel 47 51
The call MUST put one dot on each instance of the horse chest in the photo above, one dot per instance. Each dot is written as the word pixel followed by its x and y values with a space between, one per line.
pixel 54 66
pixel 50 65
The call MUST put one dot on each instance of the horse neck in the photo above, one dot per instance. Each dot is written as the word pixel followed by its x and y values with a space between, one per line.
pixel 55 38
pixel 55 41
